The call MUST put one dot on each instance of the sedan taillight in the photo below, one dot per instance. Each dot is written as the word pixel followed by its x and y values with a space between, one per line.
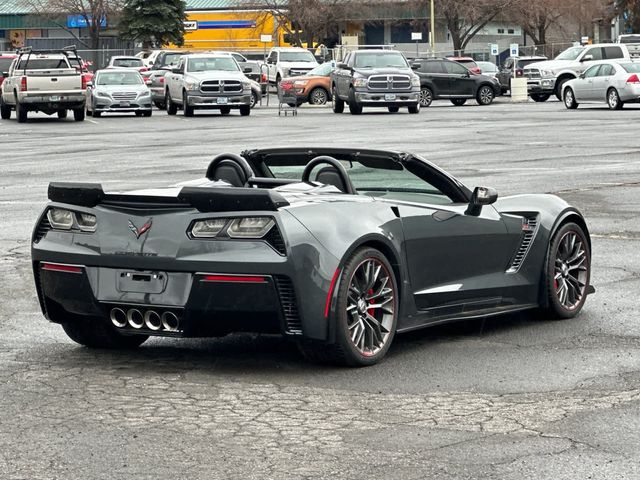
pixel 633 79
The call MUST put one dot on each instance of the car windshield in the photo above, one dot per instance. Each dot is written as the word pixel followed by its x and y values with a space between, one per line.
pixel 43 63
pixel 208 64
pixel 629 39
pixel 118 78
pixel 323 70
pixel 380 60
pixel 301 56
pixel 171 59
pixel 5 63
pixel 127 62
pixel 524 63
pixel 570 54
pixel 631 67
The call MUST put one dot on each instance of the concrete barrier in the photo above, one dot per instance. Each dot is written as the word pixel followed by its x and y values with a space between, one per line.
pixel 519 90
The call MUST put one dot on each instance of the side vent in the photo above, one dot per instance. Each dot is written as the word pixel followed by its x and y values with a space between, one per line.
pixel 293 325
pixel 43 227
pixel 274 238
pixel 529 230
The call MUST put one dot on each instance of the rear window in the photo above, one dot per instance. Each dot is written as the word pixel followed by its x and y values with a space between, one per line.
pixel 172 58
pixel 631 67
pixel 5 63
pixel 127 62
pixel 43 63
pixel 613 52
pixel 629 39
pixel 468 63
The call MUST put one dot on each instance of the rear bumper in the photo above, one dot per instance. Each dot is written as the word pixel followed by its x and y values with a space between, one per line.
pixel 53 102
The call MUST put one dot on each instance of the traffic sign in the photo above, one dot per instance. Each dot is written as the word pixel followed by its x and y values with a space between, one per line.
pixel 494 49
pixel 514 50
pixel 416 36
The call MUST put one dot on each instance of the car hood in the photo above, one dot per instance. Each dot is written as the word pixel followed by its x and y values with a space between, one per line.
pixel 551 64
pixel 215 75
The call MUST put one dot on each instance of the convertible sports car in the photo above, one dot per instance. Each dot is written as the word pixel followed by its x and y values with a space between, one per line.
pixel 337 249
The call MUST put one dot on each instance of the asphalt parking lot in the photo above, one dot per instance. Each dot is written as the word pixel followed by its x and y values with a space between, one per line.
pixel 505 398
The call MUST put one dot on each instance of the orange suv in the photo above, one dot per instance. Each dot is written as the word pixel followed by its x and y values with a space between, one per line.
pixel 313 87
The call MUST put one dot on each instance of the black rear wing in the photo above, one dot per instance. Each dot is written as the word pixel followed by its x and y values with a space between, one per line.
pixel 203 199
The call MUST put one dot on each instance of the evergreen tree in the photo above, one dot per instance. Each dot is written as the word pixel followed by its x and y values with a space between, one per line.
pixel 153 22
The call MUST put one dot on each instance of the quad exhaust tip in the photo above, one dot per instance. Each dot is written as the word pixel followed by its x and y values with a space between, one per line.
pixel 135 318
pixel 118 317
pixel 151 319
pixel 170 321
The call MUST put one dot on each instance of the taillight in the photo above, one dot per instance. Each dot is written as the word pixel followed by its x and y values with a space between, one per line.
pixel 161 80
pixel 23 84
pixel 633 79
pixel 84 82
pixel 263 79
pixel 519 72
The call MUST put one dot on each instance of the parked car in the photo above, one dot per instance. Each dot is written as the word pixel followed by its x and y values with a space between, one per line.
pixel 468 62
pixel 313 87
pixel 5 63
pixel 506 71
pixel 127 62
pixel 375 78
pixel 250 68
pixel 441 78
pixel 164 61
pixel 612 83
pixel 548 78
pixel 289 62
pixel 118 91
pixel 359 246
pixel 43 81
pixel 207 81
pixel 148 57
pixel 488 68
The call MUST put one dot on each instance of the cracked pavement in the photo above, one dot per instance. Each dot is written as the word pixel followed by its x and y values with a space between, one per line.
pixel 504 398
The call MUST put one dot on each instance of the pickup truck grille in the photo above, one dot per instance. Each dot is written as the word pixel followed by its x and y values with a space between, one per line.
pixel 532 73
pixel 221 86
pixel 390 82
pixel 124 95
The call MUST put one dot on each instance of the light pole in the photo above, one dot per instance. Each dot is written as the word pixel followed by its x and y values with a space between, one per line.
pixel 432 34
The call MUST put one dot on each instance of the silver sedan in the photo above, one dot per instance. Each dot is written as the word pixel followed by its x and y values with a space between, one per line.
pixel 118 91
pixel 613 83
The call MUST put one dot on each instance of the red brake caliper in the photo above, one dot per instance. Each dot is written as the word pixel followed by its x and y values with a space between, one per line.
pixel 370 310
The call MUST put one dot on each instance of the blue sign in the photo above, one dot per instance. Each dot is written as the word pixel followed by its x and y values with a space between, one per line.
pixel 80 21
pixel 225 24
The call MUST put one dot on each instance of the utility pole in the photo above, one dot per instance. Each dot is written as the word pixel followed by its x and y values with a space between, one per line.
pixel 432 33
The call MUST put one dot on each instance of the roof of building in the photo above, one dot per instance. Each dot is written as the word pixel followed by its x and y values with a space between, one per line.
pixel 16 7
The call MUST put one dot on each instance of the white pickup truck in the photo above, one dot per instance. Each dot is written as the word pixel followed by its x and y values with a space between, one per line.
pixel 289 62
pixel 43 81
pixel 547 78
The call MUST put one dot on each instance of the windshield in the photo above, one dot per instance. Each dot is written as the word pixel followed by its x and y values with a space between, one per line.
pixel 43 63
pixel 127 62
pixel 119 78
pixel 570 54
pixel 323 70
pixel 171 59
pixel 302 56
pixel 629 39
pixel 524 63
pixel 380 60
pixel 631 67
pixel 5 63
pixel 208 64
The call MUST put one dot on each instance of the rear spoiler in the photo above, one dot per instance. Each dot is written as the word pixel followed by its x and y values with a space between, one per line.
pixel 204 199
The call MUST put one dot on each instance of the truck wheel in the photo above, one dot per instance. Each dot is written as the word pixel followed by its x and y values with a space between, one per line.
pixel 97 333
pixel 540 97
pixel 225 110
pixel 560 88
pixel 354 107
pixel 78 114
pixel 254 99
pixel 393 109
pixel 5 110
pixel 172 108
pixel 338 103
pixel 62 114
pixel 245 110
pixel 147 114
pixel 21 112
pixel 414 108
pixel 186 109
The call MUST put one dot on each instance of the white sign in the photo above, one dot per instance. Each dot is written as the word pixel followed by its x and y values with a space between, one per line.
pixel 584 40
pixel 495 49
pixel 266 38
pixel 514 50
pixel 416 36
pixel 190 26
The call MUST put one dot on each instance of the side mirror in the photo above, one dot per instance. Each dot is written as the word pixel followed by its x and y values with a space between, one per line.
pixel 342 66
pixel 587 58
pixel 481 196
pixel 467 74
pixel 270 61
pixel 415 66
pixel 5 74
pixel 582 76
pixel 247 70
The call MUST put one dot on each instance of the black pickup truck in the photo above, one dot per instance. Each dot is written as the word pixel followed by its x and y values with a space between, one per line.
pixel 375 78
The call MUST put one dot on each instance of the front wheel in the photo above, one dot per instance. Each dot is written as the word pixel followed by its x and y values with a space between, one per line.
pixel 414 108
pixel 540 97
pixel 245 110
pixel 254 99
pixel 485 95
pixel 338 103
pixel 172 108
pixel 393 109
pixel 570 99
pixel 187 110
pixel 568 272
pixel 354 107
pixel 613 99
pixel 97 333
pixel 426 97
pixel 458 102
pixel 225 110
pixel 365 313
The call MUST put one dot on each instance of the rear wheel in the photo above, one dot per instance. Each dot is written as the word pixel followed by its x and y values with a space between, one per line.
pixel 172 108
pixel 485 95
pixel 540 97
pixel 570 99
pixel 21 113
pixel 5 110
pixel 186 109
pixel 568 272
pixel 62 114
pixel 393 109
pixel 426 97
pixel 97 333
pixel 366 312
pixel 78 114
pixel 354 107
pixel 338 104
pixel 458 102
pixel 245 110
pixel 613 99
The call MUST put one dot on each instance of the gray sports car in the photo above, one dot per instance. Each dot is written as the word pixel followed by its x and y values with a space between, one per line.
pixel 338 249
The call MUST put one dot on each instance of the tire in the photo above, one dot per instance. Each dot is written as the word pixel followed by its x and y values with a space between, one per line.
pixel 278 79
pixel 567 278
pixel 254 99
pixel 485 95
pixel 413 109
pixel 560 88
pixel 97 333
pixel 78 114
pixel 97 114
pixel 147 114
pixel 138 114
pixel 160 105
pixel 172 108
pixel 62 114
pixel 318 96
pixel 186 109
pixel 540 97
pixel 426 97
pixel 393 109
pixel 364 332
pixel 245 110
pixel 338 103
pixel 354 107
pixel 22 113
pixel 569 99
pixel 225 110
pixel 613 99
pixel 5 110
pixel 458 102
